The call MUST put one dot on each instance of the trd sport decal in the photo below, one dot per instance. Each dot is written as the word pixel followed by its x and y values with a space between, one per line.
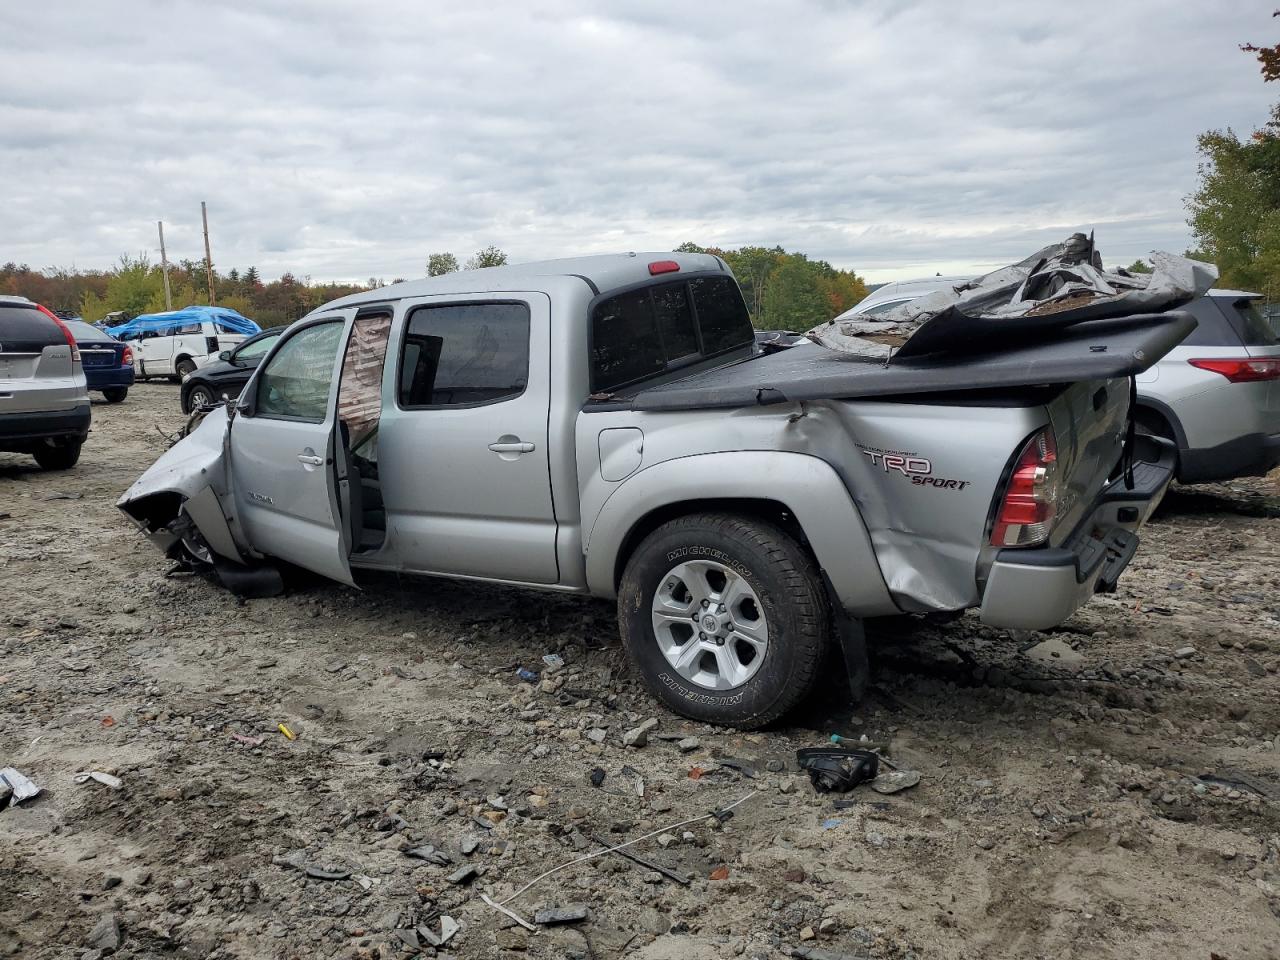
pixel 917 469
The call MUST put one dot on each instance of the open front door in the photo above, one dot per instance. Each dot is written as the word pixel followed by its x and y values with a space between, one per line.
pixel 285 451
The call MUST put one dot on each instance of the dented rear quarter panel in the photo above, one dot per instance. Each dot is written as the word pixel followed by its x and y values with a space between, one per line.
pixel 927 533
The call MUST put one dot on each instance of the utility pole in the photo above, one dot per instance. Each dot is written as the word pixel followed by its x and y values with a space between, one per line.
pixel 208 257
pixel 164 268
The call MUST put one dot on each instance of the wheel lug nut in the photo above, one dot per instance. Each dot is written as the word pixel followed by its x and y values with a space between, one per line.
pixel 719 641
pixel 701 635
pixel 705 604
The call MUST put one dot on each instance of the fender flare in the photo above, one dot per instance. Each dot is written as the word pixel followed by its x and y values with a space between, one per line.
pixel 808 487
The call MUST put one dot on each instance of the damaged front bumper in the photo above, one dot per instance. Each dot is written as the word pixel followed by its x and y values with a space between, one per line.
pixel 1039 588
pixel 179 499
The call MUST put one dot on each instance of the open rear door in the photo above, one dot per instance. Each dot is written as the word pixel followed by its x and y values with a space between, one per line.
pixel 286 451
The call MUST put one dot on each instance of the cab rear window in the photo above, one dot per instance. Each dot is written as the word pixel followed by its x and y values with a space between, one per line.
pixel 648 331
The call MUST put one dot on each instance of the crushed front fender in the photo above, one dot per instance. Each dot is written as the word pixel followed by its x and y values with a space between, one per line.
pixel 186 488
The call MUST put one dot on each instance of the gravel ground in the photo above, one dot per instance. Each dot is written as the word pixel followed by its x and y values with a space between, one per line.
pixel 1111 789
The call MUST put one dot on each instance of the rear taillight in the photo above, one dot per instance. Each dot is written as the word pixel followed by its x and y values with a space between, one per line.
pixel 126 358
pixel 66 331
pixel 1030 499
pixel 1241 370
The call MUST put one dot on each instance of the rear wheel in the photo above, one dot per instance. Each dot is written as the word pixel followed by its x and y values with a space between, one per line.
pixel 115 394
pixel 58 454
pixel 184 368
pixel 725 618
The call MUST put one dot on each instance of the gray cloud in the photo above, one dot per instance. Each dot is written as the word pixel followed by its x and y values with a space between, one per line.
pixel 347 140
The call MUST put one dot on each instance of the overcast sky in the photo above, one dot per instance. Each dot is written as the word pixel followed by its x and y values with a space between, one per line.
pixel 350 139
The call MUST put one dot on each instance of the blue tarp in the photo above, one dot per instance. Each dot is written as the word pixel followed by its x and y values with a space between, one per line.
pixel 230 320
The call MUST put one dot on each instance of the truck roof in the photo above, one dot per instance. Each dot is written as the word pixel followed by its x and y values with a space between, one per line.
pixel 601 273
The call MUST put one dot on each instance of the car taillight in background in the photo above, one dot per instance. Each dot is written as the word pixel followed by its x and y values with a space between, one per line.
pixel 66 331
pixel 1242 370
pixel 126 358
pixel 1030 499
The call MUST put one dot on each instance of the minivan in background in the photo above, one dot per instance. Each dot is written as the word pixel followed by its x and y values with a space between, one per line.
pixel 176 343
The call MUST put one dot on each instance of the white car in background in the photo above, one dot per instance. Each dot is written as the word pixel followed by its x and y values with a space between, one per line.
pixel 1216 395
pixel 178 351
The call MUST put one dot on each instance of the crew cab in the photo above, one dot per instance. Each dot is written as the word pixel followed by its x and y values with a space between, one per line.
pixel 606 426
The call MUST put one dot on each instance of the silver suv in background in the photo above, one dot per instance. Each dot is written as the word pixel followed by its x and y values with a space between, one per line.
pixel 44 402
pixel 1216 395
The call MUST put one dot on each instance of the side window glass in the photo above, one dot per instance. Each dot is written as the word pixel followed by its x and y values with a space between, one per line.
pixel 722 314
pixel 624 341
pixel 255 349
pixel 464 353
pixel 295 382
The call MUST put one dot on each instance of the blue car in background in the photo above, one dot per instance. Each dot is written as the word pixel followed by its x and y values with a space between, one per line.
pixel 107 363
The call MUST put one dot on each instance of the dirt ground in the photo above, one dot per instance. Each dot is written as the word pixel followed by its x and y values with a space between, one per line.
pixel 1108 790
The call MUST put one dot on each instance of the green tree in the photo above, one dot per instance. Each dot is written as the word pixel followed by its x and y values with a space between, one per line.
pixel 490 256
pixel 1235 213
pixel 689 247
pixel 438 264
pixel 1139 266
pixel 753 266
pixel 794 298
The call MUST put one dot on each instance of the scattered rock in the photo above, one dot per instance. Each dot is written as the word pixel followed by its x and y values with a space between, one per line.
pixel 105 935
pixel 639 736
pixel 574 913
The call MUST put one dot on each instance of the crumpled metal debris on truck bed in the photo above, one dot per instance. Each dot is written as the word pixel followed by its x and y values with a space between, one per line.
pixel 1059 286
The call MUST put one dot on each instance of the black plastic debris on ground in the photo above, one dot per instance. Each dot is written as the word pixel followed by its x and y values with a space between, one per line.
pixel 837 769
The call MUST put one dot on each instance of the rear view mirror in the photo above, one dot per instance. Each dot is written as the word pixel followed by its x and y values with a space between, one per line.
pixel 225 355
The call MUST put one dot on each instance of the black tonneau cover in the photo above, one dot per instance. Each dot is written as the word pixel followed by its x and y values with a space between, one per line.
pixel 1096 350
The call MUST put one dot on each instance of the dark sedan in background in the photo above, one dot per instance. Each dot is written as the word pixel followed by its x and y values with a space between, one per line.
pixel 107 363
pixel 227 376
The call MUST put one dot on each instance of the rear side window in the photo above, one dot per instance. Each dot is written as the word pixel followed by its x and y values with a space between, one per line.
pixel 27 330
pixel 1212 329
pixel 464 354
pixel 642 333
pixel 1246 318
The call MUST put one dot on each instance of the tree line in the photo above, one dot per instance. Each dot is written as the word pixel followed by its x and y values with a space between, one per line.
pixel 783 290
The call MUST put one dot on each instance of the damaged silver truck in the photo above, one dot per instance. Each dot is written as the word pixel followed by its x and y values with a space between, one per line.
pixel 606 426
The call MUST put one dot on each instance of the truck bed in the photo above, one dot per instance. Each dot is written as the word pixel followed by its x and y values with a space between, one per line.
pixel 1095 350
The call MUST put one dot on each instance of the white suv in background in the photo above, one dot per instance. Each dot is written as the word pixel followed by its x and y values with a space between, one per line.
pixel 178 350
pixel 1216 394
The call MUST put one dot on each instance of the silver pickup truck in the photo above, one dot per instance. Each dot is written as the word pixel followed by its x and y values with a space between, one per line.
pixel 606 426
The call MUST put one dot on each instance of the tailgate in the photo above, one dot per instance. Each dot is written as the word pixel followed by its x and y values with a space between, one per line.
pixel 1090 421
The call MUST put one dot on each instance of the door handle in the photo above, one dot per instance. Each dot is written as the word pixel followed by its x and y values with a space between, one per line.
pixel 314 461
pixel 506 445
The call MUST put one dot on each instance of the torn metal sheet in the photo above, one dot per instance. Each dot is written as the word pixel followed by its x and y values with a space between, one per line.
pixel 1059 286
pixel 187 488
